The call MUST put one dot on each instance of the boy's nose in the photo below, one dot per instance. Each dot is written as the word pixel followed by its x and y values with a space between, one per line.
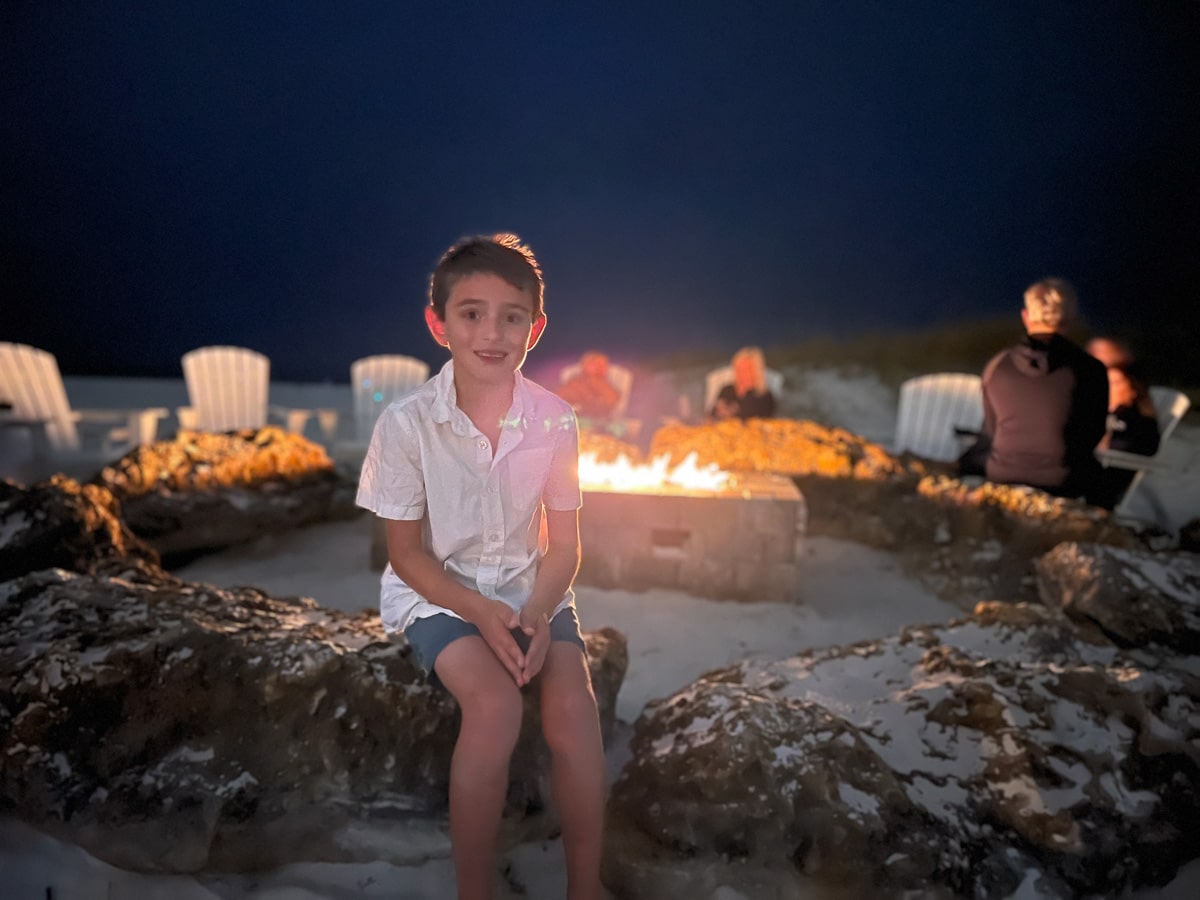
pixel 491 326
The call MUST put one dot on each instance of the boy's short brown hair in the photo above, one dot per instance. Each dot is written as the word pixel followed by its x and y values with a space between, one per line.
pixel 502 255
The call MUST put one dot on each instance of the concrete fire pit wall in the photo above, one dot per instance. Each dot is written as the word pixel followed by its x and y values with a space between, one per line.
pixel 744 543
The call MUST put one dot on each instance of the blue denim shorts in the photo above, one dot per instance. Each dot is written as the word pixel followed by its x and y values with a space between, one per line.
pixel 431 635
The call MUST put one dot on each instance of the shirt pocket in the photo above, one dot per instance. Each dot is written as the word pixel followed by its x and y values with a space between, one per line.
pixel 527 474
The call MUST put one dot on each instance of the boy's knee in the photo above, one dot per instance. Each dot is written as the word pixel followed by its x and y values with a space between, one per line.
pixel 567 717
pixel 496 706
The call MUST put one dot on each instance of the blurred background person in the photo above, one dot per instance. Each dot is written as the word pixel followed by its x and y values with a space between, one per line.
pixel 1110 351
pixel 589 391
pixel 748 397
pixel 1132 427
pixel 1045 402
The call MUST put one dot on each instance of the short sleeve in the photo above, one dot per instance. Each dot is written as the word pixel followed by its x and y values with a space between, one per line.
pixel 392 482
pixel 562 484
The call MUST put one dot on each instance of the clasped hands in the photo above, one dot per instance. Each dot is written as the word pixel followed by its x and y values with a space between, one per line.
pixel 496 623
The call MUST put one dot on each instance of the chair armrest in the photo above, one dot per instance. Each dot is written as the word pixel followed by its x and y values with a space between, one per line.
pixel 141 423
pixel 296 419
pixel 1119 459
pixel 327 419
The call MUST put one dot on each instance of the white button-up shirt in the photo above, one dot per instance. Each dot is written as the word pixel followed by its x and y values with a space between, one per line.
pixel 482 511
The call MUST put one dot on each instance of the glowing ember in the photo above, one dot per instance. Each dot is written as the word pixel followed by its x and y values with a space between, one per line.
pixel 624 475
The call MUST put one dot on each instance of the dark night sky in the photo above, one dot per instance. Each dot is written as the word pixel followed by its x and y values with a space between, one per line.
pixel 692 175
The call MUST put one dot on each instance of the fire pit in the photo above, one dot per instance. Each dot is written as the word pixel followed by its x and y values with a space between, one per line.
pixel 700 530
pixel 703 531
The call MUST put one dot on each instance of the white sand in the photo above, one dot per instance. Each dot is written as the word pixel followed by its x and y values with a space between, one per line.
pixel 850 593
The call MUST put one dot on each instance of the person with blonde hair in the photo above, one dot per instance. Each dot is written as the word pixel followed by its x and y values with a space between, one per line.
pixel 1045 402
pixel 748 397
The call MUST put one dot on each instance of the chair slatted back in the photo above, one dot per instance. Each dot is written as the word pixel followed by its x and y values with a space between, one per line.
pixel 31 382
pixel 715 380
pixel 618 376
pixel 378 380
pixel 931 407
pixel 227 386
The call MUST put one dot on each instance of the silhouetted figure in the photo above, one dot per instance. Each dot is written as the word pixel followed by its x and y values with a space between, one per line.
pixel 1045 402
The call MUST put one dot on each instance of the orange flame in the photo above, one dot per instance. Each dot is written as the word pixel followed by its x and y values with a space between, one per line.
pixel 624 475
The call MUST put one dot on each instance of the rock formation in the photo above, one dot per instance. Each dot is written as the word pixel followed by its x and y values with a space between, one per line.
pixel 204 491
pixel 1134 598
pixel 168 726
pixel 966 541
pixel 62 524
pixel 961 760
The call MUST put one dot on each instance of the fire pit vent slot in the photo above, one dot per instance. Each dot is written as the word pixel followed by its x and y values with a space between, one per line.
pixel 669 543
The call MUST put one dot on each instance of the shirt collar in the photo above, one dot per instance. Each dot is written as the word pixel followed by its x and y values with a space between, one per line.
pixel 445 402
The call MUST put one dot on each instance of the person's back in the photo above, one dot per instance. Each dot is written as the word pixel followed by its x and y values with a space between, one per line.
pixel 1045 402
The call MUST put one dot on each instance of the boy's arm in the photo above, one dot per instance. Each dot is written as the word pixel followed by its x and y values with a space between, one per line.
pixel 421 572
pixel 557 568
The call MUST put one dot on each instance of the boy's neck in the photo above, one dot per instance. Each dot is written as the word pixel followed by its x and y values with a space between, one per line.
pixel 484 403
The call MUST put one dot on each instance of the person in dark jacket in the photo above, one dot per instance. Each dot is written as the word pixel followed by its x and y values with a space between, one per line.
pixel 1132 428
pixel 1045 402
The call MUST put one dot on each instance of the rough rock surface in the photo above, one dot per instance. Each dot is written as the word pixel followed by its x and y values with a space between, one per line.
pixel 175 727
pixel 1135 597
pixel 784 447
pixel 60 523
pixel 204 491
pixel 963 760
pixel 966 542
pixel 171 726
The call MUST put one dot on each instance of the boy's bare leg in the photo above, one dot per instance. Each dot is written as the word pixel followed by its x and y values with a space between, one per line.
pixel 572 728
pixel 491 722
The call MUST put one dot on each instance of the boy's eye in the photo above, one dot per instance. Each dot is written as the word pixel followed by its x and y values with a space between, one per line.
pixel 514 318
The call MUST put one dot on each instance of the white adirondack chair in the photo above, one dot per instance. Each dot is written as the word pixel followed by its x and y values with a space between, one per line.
pixel 620 377
pixel 1170 406
pixel 41 425
pixel 931 408
pixel 375 382
pixel 719 377
pixel 227 390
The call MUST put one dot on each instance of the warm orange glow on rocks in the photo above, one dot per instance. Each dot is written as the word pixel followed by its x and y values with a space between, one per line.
pixel 201 461
pixel 782 446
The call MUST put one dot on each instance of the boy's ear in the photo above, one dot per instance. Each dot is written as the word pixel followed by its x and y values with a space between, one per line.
pixel 539 325
pixel 436 326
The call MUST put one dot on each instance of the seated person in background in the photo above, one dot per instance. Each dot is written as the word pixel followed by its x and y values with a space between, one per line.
pixel 1110 351
pixel 1132 428
pixel 589 391
pixel 748 397
pixel 1045 402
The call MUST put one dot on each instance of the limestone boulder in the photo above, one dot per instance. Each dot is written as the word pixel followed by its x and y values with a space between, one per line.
pixel 1136 597
pixel 60 523
pixel 996 753
pixel 173 727
pixel 785 447
pixel 204 491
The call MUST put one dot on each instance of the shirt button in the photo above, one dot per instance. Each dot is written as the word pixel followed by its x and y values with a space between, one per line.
pixel 483 445
pixel 493 537
pixel 492 490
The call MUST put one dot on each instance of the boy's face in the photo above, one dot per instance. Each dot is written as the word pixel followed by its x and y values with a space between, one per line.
pixel 489 327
